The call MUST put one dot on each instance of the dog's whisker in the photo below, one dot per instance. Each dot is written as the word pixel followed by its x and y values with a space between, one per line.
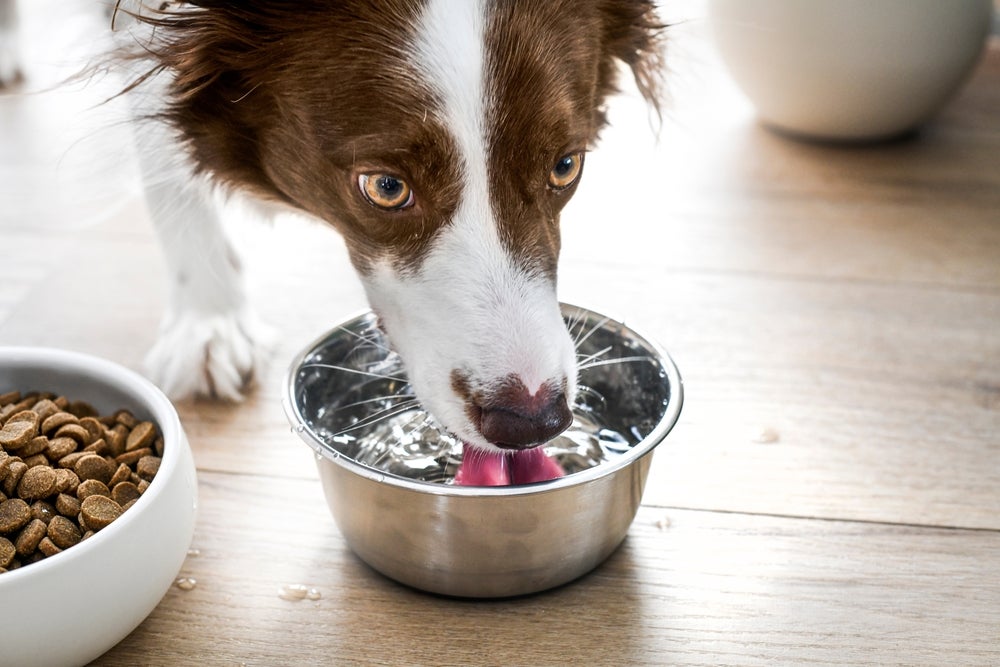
pixel 580 326
pixel 377 399
pixel 362 345
pixel 377 417
pixel 619 360
pixel 345 369
pixel 368 339
pixel 586 359
pixel 579 341
pixel 574 321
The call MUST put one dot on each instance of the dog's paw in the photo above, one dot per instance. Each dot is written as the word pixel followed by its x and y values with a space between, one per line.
pixel 216 356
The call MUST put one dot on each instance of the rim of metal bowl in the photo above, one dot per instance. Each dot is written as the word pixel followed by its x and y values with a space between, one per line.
pixel 645 446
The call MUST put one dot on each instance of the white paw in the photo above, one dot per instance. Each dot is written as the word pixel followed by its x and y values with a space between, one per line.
pixel 215 355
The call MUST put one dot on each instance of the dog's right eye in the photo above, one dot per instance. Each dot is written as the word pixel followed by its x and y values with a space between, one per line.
pixel 566 171
pixel 385 191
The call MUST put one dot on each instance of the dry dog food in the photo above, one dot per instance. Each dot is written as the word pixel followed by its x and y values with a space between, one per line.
pixel 66 472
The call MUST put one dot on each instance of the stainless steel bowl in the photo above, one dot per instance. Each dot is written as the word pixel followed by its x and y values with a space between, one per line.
pixel 385 465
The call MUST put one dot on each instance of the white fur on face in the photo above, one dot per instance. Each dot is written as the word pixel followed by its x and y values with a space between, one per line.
pixel 469 307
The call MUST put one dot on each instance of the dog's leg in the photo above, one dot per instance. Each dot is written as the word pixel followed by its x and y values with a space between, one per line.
pixel 210 342
pixel 10 61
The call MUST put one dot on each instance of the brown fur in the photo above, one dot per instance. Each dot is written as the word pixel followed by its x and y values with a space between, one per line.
pixel 292 100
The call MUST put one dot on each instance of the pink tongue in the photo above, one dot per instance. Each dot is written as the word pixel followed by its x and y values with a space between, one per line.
pixel 533 465
pixel 481 468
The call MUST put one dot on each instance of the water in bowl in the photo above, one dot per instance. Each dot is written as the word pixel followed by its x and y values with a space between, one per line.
pixel 410 443
pixel 356 399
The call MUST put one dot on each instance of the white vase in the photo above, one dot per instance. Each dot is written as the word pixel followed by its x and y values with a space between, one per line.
pixel 849 70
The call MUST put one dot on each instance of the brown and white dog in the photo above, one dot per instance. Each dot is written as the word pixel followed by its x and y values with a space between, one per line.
pixel 441 138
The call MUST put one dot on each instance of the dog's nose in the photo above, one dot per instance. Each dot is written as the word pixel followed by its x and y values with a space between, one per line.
pixel 522 420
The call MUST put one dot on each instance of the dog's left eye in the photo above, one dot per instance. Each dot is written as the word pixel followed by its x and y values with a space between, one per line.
pixel 566 171
pixel 385 191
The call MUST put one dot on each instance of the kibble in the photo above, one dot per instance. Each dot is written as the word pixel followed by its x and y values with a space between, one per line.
pixel 93 427
pixel 94 466
pixel 75 431
pixel 147 467
pixel 124 492
pixel 48 547
pixel 141 436
pixel 45 408
pixel 14 515
pixel 29 537
pixel 16 434
pixel 57 421
pixel 115 437
pixel 7 552
pixel 36 446
pixel 122 474
pixel 70 460
pixel 66 472
pixel 63 532
pixel 59 447
pixel 98 512
pixel 131 458
pixel 43 511
pixel 37 483
pixel 15 470
pixel 99 447
pixel 92 487
pixel 68 505
pixel 36 460
pixel 67 481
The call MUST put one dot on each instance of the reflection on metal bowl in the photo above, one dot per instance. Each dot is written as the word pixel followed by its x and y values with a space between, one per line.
pixel 387 466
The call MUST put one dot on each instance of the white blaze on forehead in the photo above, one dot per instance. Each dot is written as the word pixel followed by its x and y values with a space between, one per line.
pixel 469 306
pixel 449 49
pixel 469 264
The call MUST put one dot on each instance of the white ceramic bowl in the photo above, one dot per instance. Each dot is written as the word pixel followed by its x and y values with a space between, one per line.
pixel 70 608
pixel 849 70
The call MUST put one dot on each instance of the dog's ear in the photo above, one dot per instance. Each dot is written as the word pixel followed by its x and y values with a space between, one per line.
pixel 216 96
pixel 634 35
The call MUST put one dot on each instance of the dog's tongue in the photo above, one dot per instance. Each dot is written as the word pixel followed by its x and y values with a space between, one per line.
pixel 481 468
pixel 533 465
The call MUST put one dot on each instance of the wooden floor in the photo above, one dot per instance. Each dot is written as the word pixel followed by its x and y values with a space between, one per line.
pixel 831 494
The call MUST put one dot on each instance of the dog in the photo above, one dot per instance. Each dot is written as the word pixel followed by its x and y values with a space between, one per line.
pixel 440 138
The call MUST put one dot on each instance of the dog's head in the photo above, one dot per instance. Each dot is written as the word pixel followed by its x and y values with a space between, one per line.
pixel 442 138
